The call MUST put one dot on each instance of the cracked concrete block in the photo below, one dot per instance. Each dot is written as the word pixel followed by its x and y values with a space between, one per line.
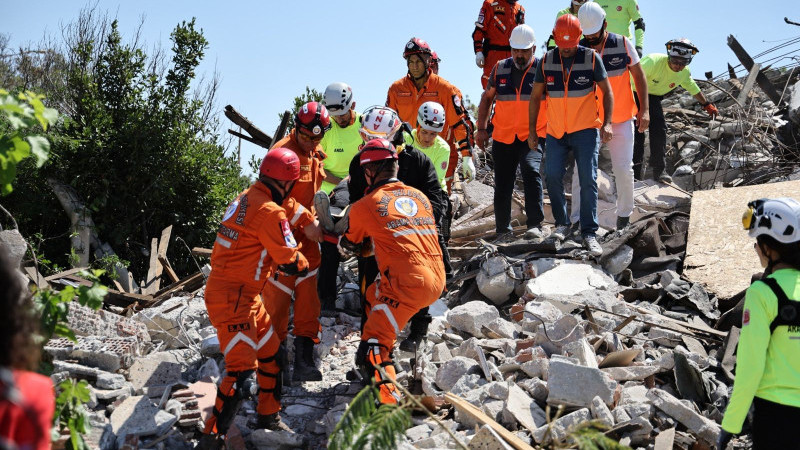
pixel 502 328
pixel 451 371
pixel 155 370
pixel 537 313
pixel 620 415
pixel 537 368
pixel 110 381
pixel 569 278
pixel 276 439
pixel 559 428
pixel 522 408
pixel 138 416
pixel 471 316
pixel 631 373
pixel 487 439
pixel 497 390
pixel 698 424
pixel 664 337
pixel 575 385
pixel 173 319
pixel 601 412
pixel 582 351
pixel 441 353
pixel 418 432
pixel 536 388
pixel 85 321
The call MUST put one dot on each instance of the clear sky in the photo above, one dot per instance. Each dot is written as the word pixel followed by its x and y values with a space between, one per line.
pixel 267 52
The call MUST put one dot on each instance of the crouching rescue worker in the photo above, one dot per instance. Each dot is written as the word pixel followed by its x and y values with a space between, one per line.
pixel 397 222
pixel 767 362
pixel 254 236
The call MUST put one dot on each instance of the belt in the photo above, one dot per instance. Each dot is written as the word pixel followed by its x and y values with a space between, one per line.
pixel 500 48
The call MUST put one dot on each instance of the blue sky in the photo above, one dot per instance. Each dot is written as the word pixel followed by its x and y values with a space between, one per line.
pixel 267 52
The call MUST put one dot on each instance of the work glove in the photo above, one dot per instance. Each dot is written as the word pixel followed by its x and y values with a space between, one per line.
pixel 723 439
pixel 711 109
pixel 639 51
pixel 480 59
pixel 293 268
pixel 467 168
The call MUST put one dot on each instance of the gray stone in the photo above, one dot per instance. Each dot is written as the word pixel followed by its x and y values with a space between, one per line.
pixel 537 313
pixel 502 328
pixel 582 351
pixel 497 390
pixel 451 371
pixel 441 353
pixel 278 440
pixel 140 417
pixel 170 321
pixel 209 346
pixel 493 280
pixel 487 439
pixel 536 388
pixel 575 385
pixel 418 432
pixel 523 408
pixel 694 421
pixel 640 436
pixel 108 395
pixel 601 412
pixel 110 381
pixel 558 429
pixel 155 370
pixel 631 372
pixel 537 368
pixel 662 336
pixel 468 383
pixel 568 278
pixel 442 440
pixel 619 260
pixel 300 410
pixel 595 298
pixel 477 194
pixel 620 415
pixel 333 417
pixel 14 245
pixel 471 316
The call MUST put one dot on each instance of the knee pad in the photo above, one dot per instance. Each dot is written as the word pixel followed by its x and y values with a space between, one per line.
pixel 231 400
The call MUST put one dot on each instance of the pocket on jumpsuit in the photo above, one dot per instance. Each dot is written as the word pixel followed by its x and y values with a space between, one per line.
pixel 221 306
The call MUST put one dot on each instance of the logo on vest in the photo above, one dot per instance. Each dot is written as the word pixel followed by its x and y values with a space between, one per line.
pixel 551 79
pixel 406 206
pixel 672 85
pixel 582 80
pixel 338 150
pixel 617 60
pixel 619 8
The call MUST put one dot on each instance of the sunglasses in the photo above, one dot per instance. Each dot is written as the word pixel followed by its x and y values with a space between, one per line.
pixel 311 137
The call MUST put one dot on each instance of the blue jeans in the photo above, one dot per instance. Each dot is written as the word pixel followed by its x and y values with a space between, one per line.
pixel 506 159
pixel 585 145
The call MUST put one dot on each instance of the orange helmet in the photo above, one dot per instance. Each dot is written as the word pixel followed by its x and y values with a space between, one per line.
pixel 567 32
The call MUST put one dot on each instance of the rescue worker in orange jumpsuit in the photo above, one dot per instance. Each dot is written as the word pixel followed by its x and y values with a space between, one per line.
pixel 311 122
pixel 254 236
pixel 421 85
pixel 397 222
pixel 496 20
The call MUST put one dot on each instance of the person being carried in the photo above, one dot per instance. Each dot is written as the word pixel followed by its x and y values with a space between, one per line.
pixel 397 222
pixel 768 359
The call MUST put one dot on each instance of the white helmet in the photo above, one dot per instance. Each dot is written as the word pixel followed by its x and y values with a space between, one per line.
pixel 591 16
pixel 379 122
pixel 522 37
pixel 778 218
pixel 431 117
pixel 580 2
pixel 338 98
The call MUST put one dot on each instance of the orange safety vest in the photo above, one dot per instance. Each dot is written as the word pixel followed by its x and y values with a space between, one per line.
pixel 570 93
pixel 616 60
pixel 511 104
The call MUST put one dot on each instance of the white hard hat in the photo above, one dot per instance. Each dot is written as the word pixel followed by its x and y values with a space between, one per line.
pixel 379 122
pixel 338 98
pixel 591 16
pixel 522 37
pixel 431 117
pixel 778 218
pixel 579 2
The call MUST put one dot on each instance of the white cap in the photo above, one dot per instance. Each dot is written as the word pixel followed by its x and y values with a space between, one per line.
pixel 522 37
pixel 592 17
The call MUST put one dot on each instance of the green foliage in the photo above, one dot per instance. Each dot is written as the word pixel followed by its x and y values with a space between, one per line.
pixel 365 425
pixel 54 305
pixel 139 143
pixel 19 113
pixel 71 414
pixel 108 264
pixel 590 436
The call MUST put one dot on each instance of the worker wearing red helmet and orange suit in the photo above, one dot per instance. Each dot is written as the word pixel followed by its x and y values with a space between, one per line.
pixel 496 20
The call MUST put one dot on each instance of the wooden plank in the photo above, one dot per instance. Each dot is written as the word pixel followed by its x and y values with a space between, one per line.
pixel 191 282
pixel 37 278
pixel 65 273
pixel 748 85
pixel 163 244
pixel 149 282
pixel 168 267
pixel 719 253
pixel 200 251
pixel 114 297
pixel 471 410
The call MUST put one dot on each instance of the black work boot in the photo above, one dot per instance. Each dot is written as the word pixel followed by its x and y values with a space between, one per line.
pixel 328 307
pixel 623 222
pixel 271 422
pixel 418 329
pixel 304 369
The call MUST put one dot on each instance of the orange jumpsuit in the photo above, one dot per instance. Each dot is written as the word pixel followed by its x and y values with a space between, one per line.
pixel 278 292
pixel 399 221
pixel 404 98
pixel 252 239
pixel 492 31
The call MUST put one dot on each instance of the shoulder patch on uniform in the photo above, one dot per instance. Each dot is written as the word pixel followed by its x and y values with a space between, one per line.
pixel 231 209
pixel 746 317
pixel 288 237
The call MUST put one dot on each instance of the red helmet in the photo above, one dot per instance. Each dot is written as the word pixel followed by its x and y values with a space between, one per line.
pixel 416 46
pixel 377 150
pixel 313 117
pixel 280 164
pixel 567 32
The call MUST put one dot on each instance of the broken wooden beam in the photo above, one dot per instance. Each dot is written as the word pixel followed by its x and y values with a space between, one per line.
pixel 113 297
pixel 200 251
pixel 748 64
pixel 258 137
pixel 282 127
pixel 475 412
pixel 188 284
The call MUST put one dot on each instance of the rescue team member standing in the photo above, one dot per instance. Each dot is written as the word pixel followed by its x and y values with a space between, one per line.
pixel 665 73
pixel 398 221
pixel 510 87
pixel 421 85
pixel 496 20
pixel 254 235
pixel 340 144
pixel 767 364
pixel 569 76
pixel 620 14
pixel 430 122
pixel 574 6
pixel 415 169
pixel 311 122
pixel 621 63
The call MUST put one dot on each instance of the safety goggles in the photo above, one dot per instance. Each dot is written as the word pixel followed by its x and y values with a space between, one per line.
pixel 749 218
pixel 681 51
pixel 310 137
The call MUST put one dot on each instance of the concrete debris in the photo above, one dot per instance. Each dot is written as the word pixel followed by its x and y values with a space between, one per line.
pixel 520 406
pixel 686 415
pixel 493 280
pixel 138 416
pixel 576 386
pixel 176 321
pixel 471 317
pixel 557 430
pixel 14 245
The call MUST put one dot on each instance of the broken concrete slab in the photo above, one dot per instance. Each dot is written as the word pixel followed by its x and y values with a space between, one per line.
pixel 582 351
pixel 558 429
pixel 138 416
pixel 523 408
pixel 488 439
pixel 279 440
pixel 601 412
pixel 576 386
pixel 698 424
pixel 568 278
pixel 451 371
pixel 174 319
pixel 719 255
pixel 105 353
pixel 472 316
pixel 156 370
pixel 110 381
pixel 85 321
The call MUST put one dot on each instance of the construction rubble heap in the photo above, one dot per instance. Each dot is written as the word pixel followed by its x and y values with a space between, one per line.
pixel 532 339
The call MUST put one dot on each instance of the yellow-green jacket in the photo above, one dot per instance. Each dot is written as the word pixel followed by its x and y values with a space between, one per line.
pixel 340 145
pixel 619 16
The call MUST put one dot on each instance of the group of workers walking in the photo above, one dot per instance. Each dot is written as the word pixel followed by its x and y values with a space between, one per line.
pixel 376 186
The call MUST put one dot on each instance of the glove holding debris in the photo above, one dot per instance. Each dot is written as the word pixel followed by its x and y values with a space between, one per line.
pixel 297 267
pixel 480 60
pixel 467 168
pixel 711 109
pixel 723 439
